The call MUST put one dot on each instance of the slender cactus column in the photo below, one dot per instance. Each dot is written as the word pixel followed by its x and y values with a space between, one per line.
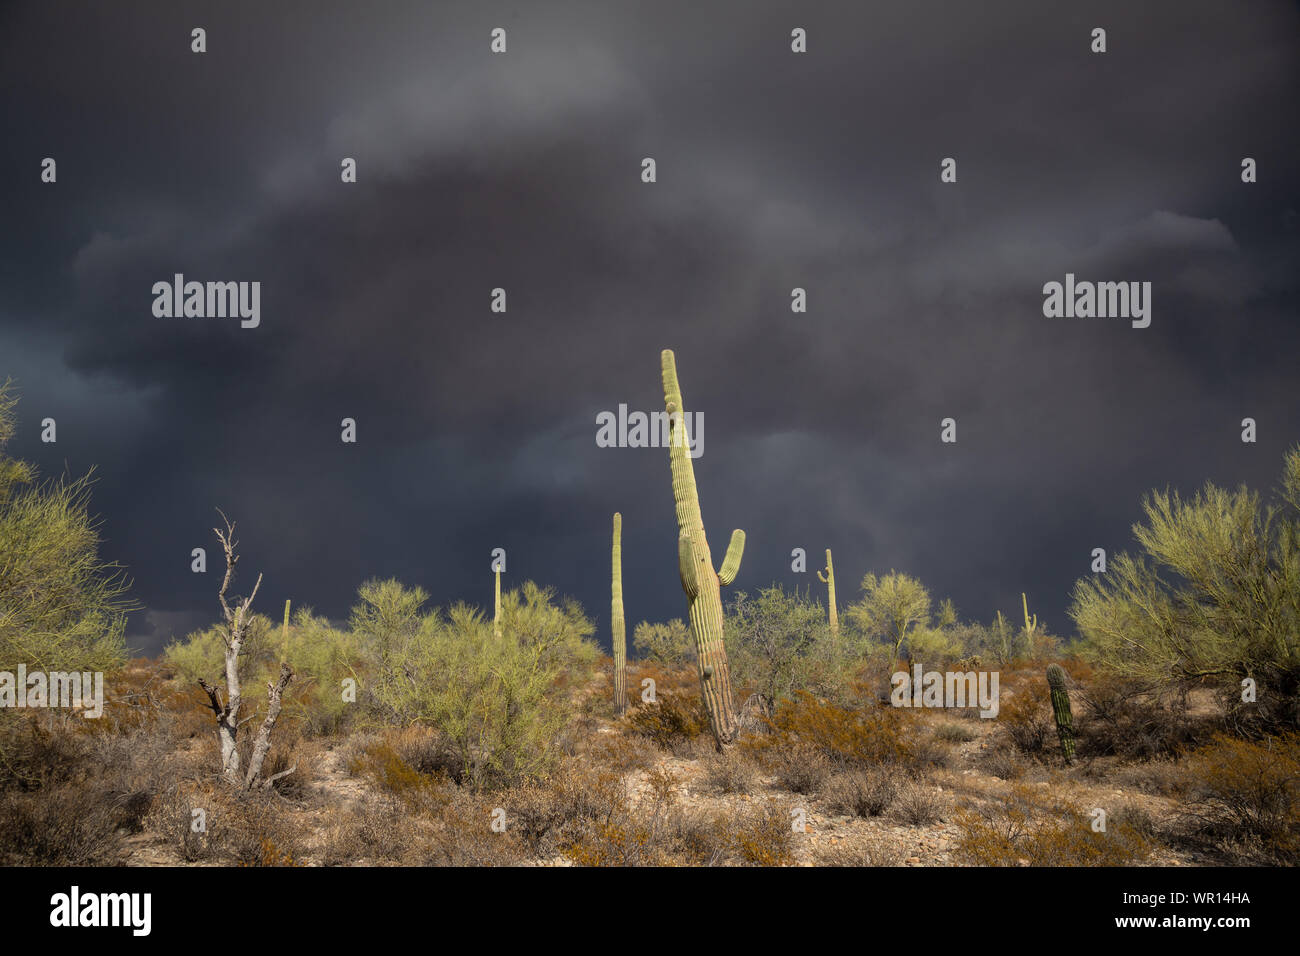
pixel 828 579
pixel 496 613
pixel 701 584
pixel 1061 710
pixel 617 626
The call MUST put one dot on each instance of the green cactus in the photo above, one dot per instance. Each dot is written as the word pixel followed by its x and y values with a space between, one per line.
pixel 700 582
pixel 616 624
pixel 1030 626
pixel 496 613
pixel 1061 708
pixel 828 578
pixel 284 640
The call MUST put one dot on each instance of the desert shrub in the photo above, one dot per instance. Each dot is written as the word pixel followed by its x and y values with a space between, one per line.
pixel 291 752
pixel 799 768
pixel 619 752
pixel 1019 830
pixel 383 762
pixel 496 695
pixel 674 719
pixel 730 772
pixel 1167 778
pixel 1249 791
pixel 954 733
pixel 919 806
pixel 670 644
pixel 1026 719
pixel 565 809
pixel 862 793
pixel 845 737
pixel 697 838
pixel 461 834
pixel 366 832
pixel 37 752
pixel 1136 820
pixel 873 854
pixel 65 824
pixel 762 835
pixel 246 828
pixel 1006 765
pixel 1119 719
pixel 626 836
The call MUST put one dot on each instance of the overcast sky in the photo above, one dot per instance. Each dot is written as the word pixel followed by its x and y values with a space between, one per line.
pixel 523 171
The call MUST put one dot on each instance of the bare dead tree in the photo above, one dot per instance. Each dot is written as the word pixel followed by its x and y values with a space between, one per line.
pixel 235 631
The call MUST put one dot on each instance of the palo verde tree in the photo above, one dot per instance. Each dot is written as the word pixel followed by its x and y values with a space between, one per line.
pixel 892 608
pixel 61 607
pixel 1213 596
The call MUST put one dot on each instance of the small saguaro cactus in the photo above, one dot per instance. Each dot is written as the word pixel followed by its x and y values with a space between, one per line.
pixel 701 584
pixel 1030 626
pixel 828 579
pixel 616 624
pixel 1061 709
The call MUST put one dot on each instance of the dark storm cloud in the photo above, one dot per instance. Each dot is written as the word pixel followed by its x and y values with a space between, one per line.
pixel 522 171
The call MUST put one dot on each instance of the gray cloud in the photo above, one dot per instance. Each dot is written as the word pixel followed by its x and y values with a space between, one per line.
pixel 522 171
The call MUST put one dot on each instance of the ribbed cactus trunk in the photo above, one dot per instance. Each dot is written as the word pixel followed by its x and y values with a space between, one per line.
pixel 828 578
pixel 496 613
pixel 284 638
pixel 1061 709
pixel 700 582
pixel 1030 626
pixel 616 625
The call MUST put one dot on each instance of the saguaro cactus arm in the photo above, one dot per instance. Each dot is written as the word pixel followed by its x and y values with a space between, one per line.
pixel 688 565
pixel 731 562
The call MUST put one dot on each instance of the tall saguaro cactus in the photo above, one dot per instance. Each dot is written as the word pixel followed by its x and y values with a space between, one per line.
pixel 828 579
pixel 700 582
pixel 1061 710
pixel 616 624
